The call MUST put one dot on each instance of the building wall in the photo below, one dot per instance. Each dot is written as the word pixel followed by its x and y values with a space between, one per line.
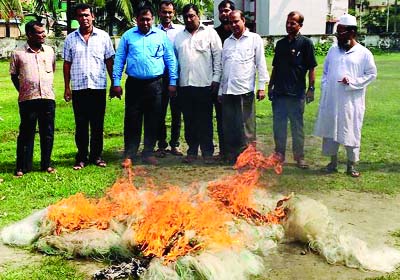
pixel 271 14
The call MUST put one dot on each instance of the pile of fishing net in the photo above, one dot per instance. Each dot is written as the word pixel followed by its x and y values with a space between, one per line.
pixel 217 232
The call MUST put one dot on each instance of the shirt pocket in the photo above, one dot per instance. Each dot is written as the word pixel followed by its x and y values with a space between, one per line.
pixel 202 45
pixel 47 65
pixel 156 51
pixel 97 55
pixel 244 55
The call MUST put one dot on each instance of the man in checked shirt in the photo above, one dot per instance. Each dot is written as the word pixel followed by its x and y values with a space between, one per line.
pixel 32 73
pixel 88 52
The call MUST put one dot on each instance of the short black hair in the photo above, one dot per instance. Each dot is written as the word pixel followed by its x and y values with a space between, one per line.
pixel 144 8
pixel 30 26
pixel 187 7
pixel 224 3
pixel 83 6
pixel 167 3
pixel 301 17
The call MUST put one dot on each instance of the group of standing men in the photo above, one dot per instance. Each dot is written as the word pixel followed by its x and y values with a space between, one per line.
pixel 208 67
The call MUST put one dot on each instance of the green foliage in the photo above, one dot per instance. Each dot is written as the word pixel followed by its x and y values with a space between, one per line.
pixel 321 49
pixel 269 48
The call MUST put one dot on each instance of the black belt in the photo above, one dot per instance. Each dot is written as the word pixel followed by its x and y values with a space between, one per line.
pixel 145 81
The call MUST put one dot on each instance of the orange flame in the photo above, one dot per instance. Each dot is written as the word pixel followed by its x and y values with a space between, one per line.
pixel 78 212
pixel 255 159
pixel 235 192
pixel 175 222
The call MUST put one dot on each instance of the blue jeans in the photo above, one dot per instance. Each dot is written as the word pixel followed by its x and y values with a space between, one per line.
pixel 290 109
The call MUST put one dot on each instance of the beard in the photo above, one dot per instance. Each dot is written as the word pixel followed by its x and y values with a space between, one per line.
pixel 344 45
pixel 224 21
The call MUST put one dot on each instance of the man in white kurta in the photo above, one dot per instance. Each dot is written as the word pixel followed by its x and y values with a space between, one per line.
pixel 348 69
pixel 242 58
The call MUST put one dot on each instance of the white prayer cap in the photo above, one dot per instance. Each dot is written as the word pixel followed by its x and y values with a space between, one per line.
pixel 348 20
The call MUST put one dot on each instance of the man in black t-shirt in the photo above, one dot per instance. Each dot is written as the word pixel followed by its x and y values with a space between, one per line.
pixel 294 57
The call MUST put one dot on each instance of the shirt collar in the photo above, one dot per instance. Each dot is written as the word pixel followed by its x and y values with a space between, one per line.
pixel 136 30
pixel 245 34
pixel 29 49
pixel 95 31
pixel 201 27
pixel 295 37
pixel 173 26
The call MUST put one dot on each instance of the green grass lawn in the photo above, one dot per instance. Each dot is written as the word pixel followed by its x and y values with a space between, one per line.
pixel 380 154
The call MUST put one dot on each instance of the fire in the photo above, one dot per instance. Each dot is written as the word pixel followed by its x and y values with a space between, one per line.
pixel 176 223
pixel 77 212
pixel 255 159
pixel 173 223
pixel 235 192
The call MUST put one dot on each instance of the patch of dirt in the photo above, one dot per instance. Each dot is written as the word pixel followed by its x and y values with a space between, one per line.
pixel 370 217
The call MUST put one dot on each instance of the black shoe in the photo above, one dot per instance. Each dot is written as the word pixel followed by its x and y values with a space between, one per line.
pixel 330 168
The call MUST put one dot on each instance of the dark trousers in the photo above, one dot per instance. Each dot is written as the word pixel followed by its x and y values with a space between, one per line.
pixel 41 111
pixel 239 123
pixel 142 104
pixel 176 116
pixel 219 119
pixel 288 109
pixel 89 109
pixel 196 104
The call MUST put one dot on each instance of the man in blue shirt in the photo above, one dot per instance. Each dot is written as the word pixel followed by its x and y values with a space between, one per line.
pixel 146 51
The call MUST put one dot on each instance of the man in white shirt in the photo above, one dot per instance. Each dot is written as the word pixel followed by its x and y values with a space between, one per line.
pixel 242 58
pixel 166 14
pixel 198 50
pixel 348 69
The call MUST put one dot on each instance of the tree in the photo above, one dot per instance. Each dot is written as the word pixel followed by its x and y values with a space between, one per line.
pixel 10 9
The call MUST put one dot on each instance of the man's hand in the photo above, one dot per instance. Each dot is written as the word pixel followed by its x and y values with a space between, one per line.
pixel 260 94
pixel 67 95
pixel 115 91
pixel 220 98
pixel 345 80
pixel 172 91
pixel 214 87
pixel 309 96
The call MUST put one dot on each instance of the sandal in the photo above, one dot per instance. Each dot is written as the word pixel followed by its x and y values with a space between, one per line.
pixel 100 162
pixel 353 172
pixel 50 170
pixel 301 163
pixel 19 173
pixel 78 165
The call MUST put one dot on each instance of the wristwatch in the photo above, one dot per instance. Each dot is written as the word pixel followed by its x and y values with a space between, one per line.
pixel 311 88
